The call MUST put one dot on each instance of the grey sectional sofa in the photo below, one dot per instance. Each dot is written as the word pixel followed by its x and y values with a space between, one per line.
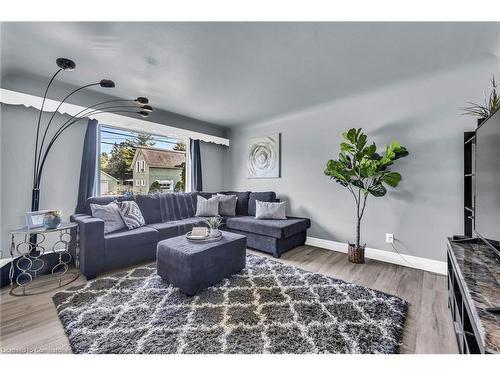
pixel 172 214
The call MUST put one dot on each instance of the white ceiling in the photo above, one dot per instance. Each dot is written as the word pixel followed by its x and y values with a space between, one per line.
pixel 240 73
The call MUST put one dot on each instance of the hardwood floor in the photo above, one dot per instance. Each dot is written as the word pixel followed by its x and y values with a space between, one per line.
pixel 31 325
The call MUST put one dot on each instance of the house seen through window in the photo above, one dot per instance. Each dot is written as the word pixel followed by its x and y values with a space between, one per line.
pixel 140 163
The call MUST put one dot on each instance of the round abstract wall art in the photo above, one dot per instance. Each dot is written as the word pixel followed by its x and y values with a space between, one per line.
pixel 264 157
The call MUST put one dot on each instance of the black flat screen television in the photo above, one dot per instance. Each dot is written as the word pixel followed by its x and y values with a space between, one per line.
pixel 487 182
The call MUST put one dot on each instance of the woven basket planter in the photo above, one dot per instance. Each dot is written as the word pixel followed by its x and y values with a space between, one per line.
pixel 356 254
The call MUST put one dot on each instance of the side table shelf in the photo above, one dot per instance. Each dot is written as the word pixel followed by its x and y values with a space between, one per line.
pixel 27 252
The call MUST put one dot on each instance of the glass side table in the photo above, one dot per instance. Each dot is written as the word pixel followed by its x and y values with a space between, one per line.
pixel 27 260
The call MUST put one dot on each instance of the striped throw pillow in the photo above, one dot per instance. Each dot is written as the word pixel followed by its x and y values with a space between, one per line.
pixel 207 207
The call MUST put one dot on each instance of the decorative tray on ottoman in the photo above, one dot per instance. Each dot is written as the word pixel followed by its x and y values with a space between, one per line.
pixel 206 239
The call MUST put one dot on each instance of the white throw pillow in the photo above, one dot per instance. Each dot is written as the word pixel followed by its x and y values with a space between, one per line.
pixel 270 210
pixel 110 213
pixel 207 207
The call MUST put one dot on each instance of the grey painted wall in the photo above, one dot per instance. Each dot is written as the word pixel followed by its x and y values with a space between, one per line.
pixel 59 186
pixel 423 114
pixel 212 165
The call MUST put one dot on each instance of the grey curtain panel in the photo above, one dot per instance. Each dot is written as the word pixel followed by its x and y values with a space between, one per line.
pixel 194 148
pixel 88 169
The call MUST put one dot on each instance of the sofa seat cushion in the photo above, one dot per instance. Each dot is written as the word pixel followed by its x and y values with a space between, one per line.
pixel 272 228
pixel 129 238
pixel 176 228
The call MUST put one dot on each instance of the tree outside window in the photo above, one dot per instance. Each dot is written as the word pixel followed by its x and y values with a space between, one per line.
pixel 160 164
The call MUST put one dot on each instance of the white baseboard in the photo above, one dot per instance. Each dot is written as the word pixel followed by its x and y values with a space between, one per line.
pixel 411 261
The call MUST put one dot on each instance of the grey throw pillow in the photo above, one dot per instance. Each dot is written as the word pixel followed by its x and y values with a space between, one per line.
pixel 270 210
pixel 227 204
pixel 131 214
pixel 207 207
pixel 110 213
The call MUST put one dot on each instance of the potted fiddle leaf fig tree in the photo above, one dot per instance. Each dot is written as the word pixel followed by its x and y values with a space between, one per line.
pixel 363 171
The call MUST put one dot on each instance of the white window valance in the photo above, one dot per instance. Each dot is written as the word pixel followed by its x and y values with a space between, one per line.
pixel 112 119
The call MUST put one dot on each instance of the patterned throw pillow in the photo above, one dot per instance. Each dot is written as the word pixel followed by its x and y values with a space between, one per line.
pixel 110 213
pixel 207 207
pixel 131 214
pixel 268 210
pixel 227 204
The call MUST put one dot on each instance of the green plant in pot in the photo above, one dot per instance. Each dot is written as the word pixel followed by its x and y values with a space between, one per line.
pixel 214 223
pixel 364 171
pixel 491 104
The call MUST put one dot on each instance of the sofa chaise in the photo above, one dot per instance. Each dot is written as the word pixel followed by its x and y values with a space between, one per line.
pixel 172 214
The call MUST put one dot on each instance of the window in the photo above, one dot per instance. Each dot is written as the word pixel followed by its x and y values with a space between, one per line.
pixel 166 185
pixel 124 170
pixel 140 166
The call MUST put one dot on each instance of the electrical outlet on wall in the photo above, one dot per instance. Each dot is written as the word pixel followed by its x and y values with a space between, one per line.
pixel 389 238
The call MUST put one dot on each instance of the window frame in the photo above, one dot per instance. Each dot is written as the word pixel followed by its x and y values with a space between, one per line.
pixel 97 179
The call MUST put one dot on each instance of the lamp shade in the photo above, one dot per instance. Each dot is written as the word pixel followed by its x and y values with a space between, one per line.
pixel 107 83
pixel 65 63
pixel 142 100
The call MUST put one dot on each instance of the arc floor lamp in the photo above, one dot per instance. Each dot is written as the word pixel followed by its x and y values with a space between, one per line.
pixel 43 145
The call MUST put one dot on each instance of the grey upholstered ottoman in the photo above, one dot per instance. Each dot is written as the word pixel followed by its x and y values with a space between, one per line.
pixel 193 267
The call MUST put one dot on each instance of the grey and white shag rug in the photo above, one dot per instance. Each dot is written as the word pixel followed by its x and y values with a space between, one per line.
pixel 267 308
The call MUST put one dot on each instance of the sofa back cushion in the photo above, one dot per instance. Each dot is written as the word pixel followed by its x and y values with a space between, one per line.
pixel 164 207
pixel 177 206
pixel 263 196
pixel 206 195
pixel 150 207
pixel 102 201
pixel 241 203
